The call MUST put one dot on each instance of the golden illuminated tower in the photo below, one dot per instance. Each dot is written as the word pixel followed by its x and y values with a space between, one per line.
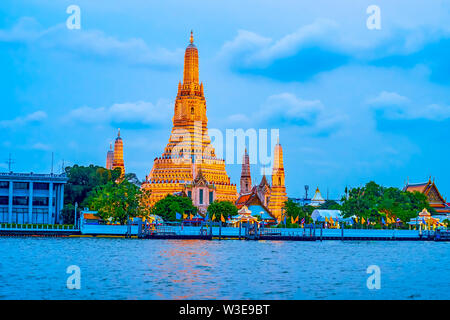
pixel 118 154
pixel 189 149
pixel 278 191
pixel 110 158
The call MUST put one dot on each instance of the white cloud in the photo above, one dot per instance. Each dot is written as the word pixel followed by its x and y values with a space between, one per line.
pixel 388 98
pixel 139 112
pixel 256 50
pixel 238 118
pixel 90 43
pixel 288 106
pixel 35 117
pixel 397 107
pixel 286 110
pixel 252 50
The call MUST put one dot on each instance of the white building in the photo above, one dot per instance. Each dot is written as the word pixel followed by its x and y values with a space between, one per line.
pixel 31 198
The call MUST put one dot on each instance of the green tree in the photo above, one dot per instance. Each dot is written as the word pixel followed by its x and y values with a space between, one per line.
pixel 116 201
pixel 330 205
pixel 374 202
pixel 82 180
pixel 218 208
pixel 294 210
pixel 68 213
pixel 168 207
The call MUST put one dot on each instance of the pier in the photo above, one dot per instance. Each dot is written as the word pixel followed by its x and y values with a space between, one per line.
pixel 214 231
pixel 248 231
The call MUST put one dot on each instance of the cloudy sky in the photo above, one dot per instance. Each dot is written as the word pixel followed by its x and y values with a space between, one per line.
pixel 351 104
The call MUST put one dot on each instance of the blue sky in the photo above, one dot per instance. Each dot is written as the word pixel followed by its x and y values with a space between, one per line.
pixel 352 104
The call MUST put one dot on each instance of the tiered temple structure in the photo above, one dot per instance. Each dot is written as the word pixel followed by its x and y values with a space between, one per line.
pixel 246 179
pixel 278 194
pixel 110 157
pixel 434 197
pixel 188 163
pixel 264 199
pixel 114 158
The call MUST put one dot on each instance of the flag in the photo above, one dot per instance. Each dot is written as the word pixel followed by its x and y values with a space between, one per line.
pixel 356 219
pixel 222 218
pixel 177 216
pixel 213 217
pixel 284 219
pixel 191 216
pixel 423 220
pixel 382 220
pixel 292 220
pixel 368 221
pixel 398 220
pixel 296 220
pixel 184 216
pixel 326 219
pixel 303 220
pixel 362 220
pixel 331 220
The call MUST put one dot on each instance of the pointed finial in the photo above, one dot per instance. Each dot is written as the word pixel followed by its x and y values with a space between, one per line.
pixel 278 140
pixel 118 133
pixel 192 37
pixel 110 146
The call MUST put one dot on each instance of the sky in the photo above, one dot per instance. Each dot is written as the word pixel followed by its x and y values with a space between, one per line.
pixel 351 104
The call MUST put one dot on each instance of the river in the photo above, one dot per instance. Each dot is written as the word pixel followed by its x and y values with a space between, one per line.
pixel 35 268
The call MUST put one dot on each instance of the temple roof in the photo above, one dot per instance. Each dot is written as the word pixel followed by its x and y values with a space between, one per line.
pixel 317 196
pixel 263 181
pixel 250 198
pixel 432 193
pixel 424 188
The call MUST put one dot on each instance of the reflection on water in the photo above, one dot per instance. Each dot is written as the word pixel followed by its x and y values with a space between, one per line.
pixel 187 266
pixel 35 268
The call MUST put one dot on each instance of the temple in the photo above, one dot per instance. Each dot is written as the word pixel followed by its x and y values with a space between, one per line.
pixel 264 199
pixel 114 158
pixel 246 179
pixel 317 200
pixel 110 157
pixel 188 163
pixel 278 195
pixel 433 195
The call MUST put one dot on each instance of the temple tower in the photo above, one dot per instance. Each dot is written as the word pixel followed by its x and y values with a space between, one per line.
pixel 189 149
pixel 110 158
pixel 118 154
pixel 246 179
pixel 278 195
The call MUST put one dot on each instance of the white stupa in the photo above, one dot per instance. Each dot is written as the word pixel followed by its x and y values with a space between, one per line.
pixel 317 200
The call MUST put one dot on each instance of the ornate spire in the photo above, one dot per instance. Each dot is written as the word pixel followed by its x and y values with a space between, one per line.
pixel 118 154
pixel 246 180
pixel 191 64
pixel 191 40
pixel 278 195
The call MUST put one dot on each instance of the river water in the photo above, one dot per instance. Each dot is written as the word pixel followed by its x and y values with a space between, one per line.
pixel 35 268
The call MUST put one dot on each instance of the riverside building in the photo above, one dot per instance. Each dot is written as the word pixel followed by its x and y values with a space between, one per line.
pixel 31 198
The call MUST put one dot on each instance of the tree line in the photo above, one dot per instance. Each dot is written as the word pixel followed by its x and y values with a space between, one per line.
pixel 372 202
